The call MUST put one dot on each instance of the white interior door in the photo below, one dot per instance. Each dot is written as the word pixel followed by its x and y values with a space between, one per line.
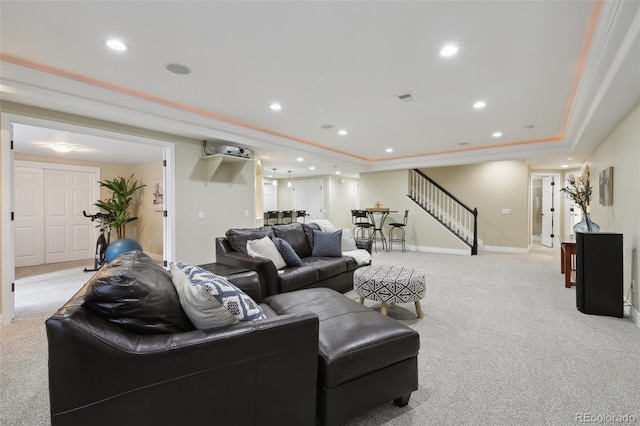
pixel 307 195
pixel 269 196
pixel 68 234
pixel 29 216
pixel 547 211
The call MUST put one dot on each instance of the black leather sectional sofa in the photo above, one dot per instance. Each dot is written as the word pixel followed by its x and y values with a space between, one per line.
pixel 329 272
pixel 122 351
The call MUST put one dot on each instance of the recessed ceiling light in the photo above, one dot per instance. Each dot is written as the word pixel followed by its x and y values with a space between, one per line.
pixel 449 50
pixel 275 106
pixel 312 168
pixel 389 150
pixel 61 147
pixel 479 104
pixel 565 166
pixel 569 158
pixel 342 132
pixel 178 69
pixel 338 172
pixel 116 44
pixel 299 159
pixel 496 134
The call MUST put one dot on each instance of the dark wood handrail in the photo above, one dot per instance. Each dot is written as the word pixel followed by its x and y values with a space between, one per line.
pixel 450 195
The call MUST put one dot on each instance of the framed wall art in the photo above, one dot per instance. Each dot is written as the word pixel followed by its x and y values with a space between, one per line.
pixel 606 186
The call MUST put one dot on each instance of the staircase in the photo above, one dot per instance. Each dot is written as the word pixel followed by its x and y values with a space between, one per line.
pixel 454 215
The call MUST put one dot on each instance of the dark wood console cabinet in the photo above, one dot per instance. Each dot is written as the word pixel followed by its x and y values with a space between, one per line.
pixel 599 273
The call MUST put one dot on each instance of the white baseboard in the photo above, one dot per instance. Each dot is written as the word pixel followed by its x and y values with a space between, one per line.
pixel 441 250
pixel 505 249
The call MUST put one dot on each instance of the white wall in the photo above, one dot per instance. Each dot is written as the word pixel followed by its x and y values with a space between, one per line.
pixel 621 150
pixel 224 204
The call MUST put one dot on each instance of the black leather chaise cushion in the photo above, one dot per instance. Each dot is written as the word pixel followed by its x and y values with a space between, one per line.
pixel 354 340
pixel 138 295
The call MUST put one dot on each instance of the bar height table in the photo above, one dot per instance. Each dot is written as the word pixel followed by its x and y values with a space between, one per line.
pixel 378 224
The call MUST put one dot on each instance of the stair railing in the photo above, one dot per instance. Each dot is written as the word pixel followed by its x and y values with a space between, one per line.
pixel 456 216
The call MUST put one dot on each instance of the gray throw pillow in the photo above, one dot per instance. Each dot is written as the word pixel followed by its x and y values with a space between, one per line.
pixel 327 244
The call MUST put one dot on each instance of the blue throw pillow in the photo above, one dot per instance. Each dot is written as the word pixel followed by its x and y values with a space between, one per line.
pixel 327 244
pixel 287 252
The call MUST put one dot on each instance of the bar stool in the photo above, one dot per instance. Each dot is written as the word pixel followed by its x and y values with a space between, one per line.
pixel 287 216
pixel 399 226
pixel 302 214
pixel 361 223
pixel 272 217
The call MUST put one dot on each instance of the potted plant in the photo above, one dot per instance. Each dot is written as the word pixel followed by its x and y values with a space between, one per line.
pixel 117 207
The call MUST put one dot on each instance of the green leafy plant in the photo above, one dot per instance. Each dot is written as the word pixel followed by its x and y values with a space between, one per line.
pixel 118 206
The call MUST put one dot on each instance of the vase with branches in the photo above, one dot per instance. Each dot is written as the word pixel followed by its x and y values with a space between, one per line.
pixel 118 206
pixel 579 190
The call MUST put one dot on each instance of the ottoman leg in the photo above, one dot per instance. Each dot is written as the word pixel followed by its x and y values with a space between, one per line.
pixel 362 300
pixel 383 310
pixel 419 309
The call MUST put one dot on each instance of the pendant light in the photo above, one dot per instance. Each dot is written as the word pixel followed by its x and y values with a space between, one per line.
pixel 275 182
pixel 289 183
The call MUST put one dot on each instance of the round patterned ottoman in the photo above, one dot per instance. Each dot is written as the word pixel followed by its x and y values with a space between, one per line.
pixel 390 284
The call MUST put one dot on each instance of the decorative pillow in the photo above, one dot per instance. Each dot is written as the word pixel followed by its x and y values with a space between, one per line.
pixel 231 297
pixel 202 308
pixel 264 247
pixel 287 252
pixel 137 294
pixel 348 241
pixel 294 234
pixel 327 244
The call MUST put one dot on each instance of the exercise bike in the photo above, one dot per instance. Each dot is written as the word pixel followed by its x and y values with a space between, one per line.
pixel 104 239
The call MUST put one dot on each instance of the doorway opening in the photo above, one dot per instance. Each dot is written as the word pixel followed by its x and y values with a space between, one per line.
pixel 162 151
pixel 545 210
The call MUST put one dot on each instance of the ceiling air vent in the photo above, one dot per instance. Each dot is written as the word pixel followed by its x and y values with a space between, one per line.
pixel 407 97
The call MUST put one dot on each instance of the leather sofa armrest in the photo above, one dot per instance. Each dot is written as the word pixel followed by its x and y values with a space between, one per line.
pixel 364 243
pixel 249 282
pixel 267 272
pixel 241 372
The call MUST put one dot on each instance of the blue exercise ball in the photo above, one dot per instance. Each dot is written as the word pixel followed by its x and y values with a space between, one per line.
pixel 119 247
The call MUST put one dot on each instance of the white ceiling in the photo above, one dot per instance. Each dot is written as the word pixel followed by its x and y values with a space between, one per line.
pixel 570 69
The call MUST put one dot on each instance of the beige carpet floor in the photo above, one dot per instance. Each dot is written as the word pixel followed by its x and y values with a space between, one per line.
pixel 502 343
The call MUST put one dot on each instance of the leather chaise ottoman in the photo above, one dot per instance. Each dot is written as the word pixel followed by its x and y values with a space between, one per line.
pixel 365 359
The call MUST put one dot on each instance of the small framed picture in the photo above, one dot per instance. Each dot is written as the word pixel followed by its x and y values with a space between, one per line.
pixel 158 196
pixel 606 186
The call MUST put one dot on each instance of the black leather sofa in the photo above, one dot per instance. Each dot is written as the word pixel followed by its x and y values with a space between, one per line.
pixel 330 272
pixel 123 352
pixel 145 364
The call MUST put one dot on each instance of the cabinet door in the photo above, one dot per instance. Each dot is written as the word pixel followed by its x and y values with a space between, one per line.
pixel 599 273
